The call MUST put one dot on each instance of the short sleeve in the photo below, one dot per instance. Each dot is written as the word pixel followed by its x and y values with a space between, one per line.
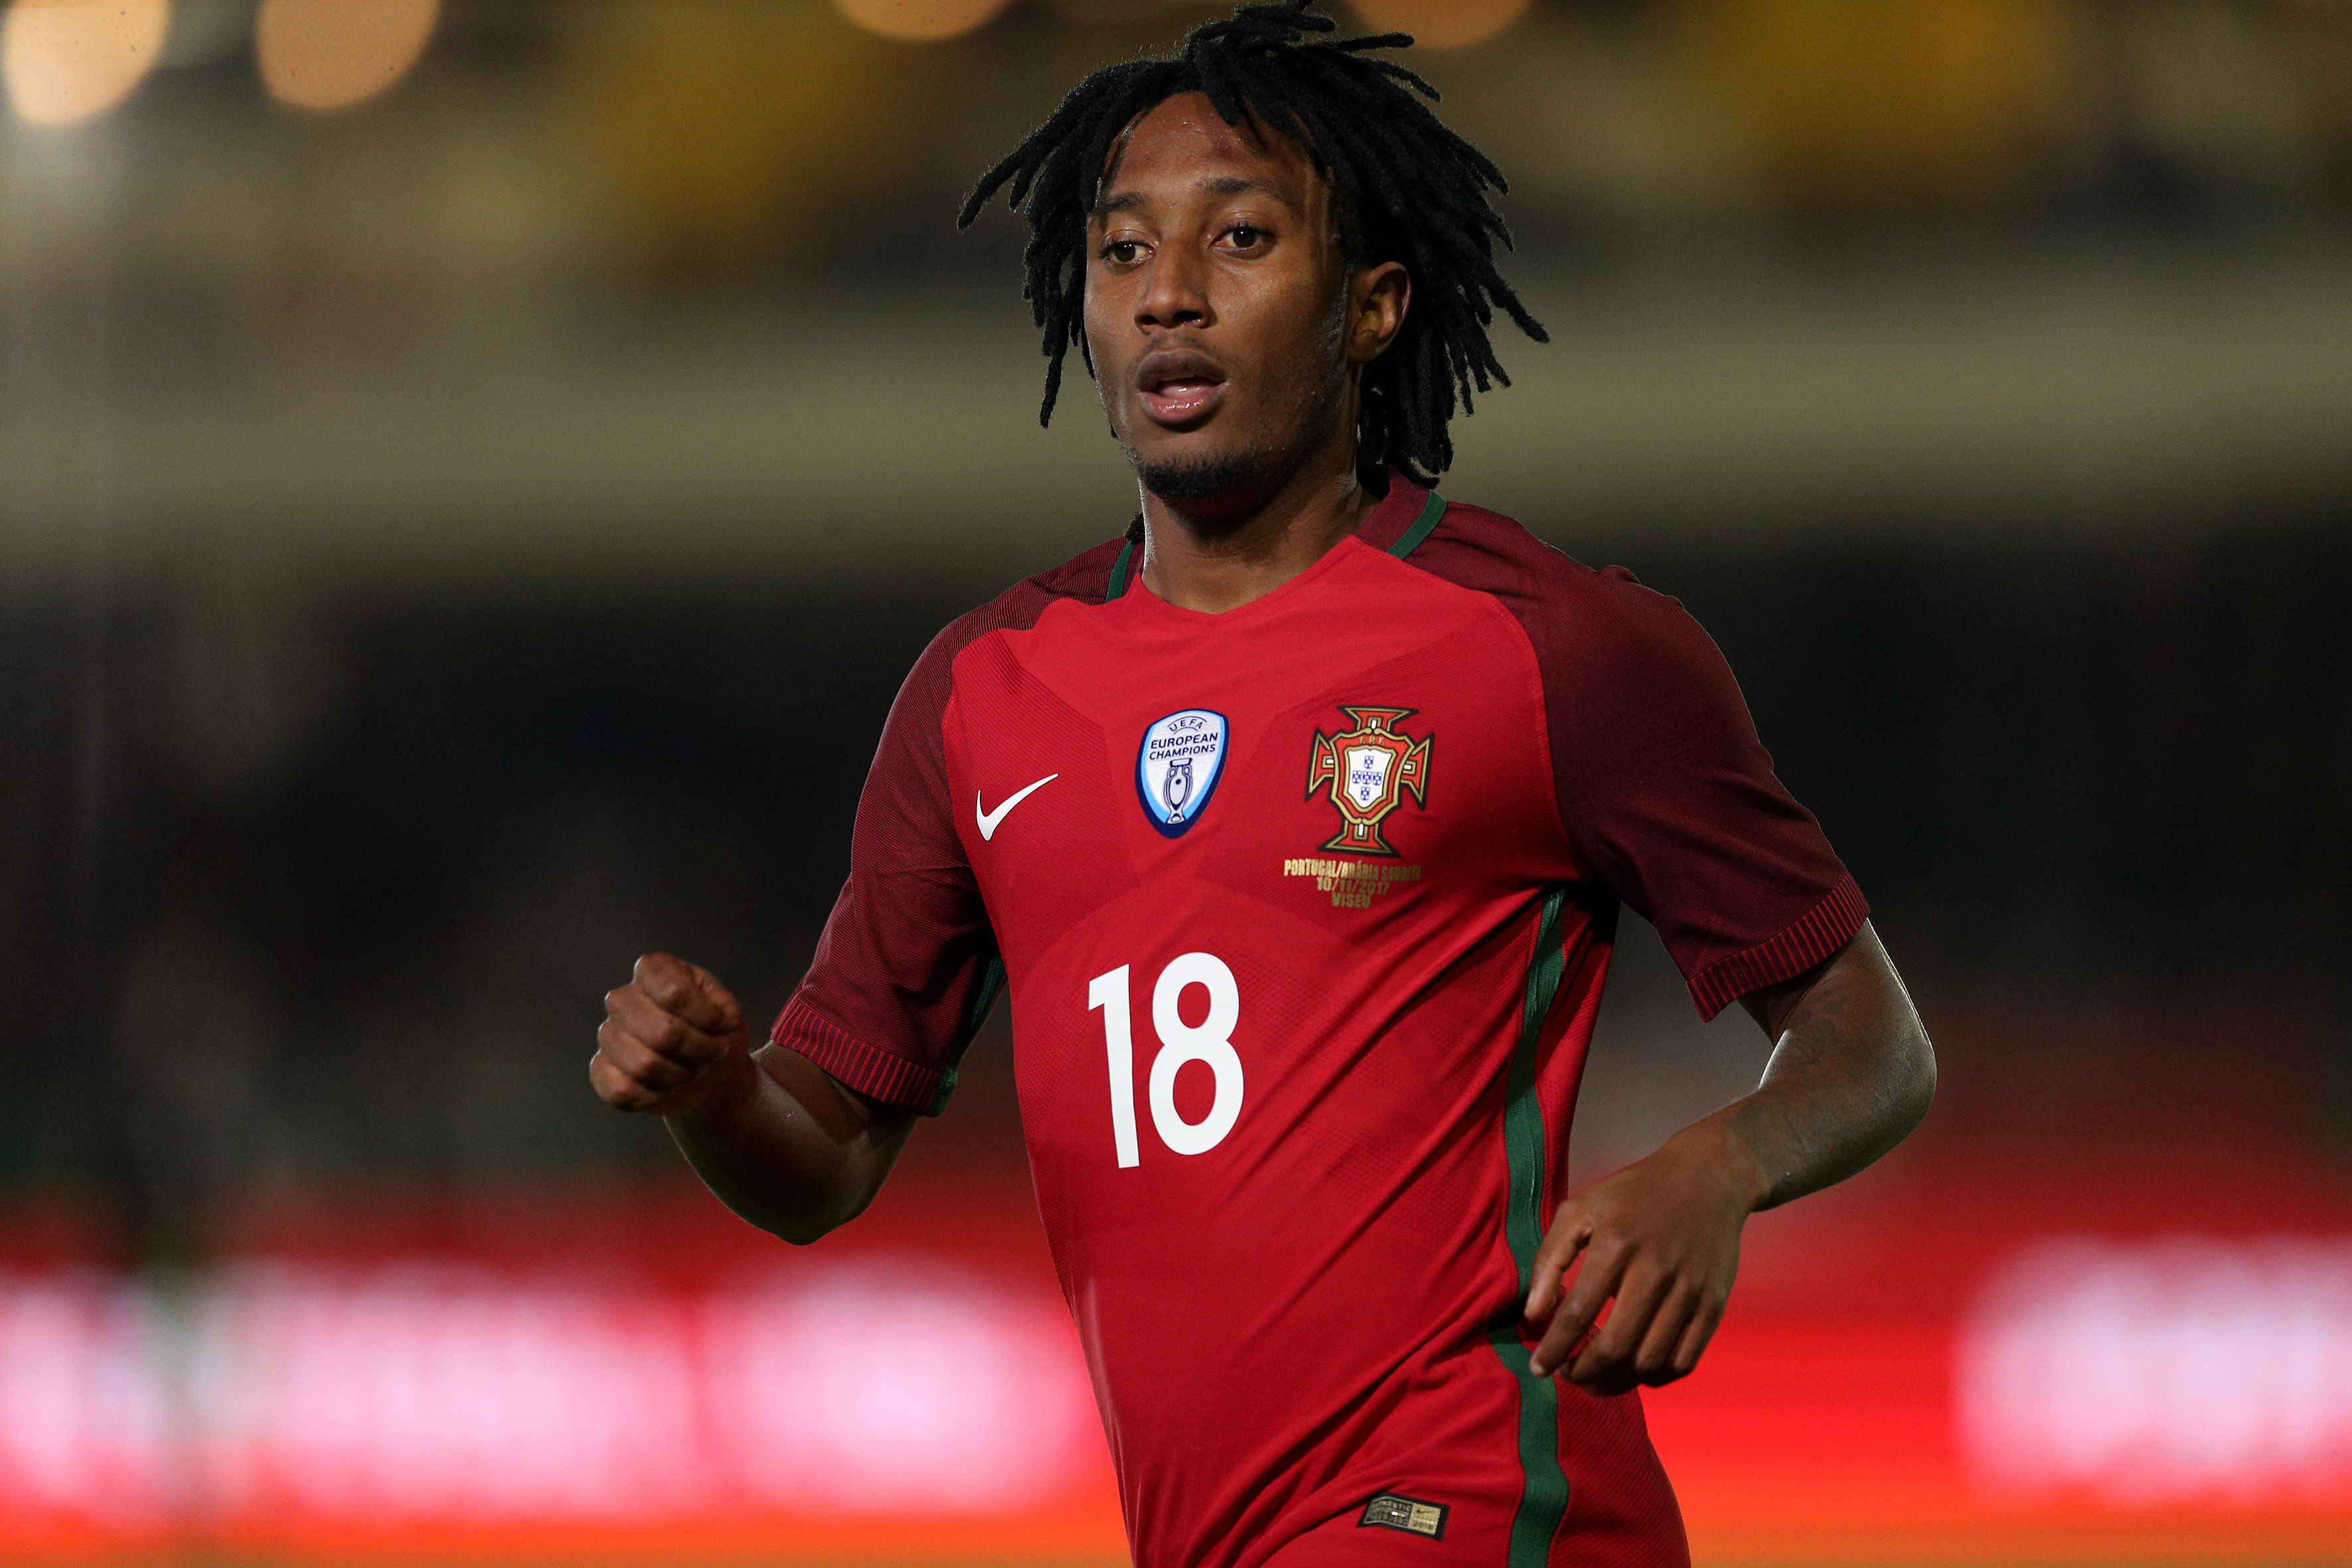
pixel 908 965
pixel 1670 799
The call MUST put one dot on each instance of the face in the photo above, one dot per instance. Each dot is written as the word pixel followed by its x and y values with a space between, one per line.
pixel 1228 337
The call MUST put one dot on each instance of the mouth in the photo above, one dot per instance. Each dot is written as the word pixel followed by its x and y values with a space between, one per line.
pixel 1179 386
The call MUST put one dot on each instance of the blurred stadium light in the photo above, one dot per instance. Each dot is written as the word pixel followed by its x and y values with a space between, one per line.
pixel 1442 24
pixel 66 60
pixel 333 54
pixel 920 21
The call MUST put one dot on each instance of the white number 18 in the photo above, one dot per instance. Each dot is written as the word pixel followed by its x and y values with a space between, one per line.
pixel 1211 1041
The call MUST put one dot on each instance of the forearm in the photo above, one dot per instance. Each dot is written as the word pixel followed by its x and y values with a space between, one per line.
pixel 1851 1075
pixel 788 1148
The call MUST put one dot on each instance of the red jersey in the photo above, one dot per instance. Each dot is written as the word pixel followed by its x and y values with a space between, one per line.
pixel 1304 911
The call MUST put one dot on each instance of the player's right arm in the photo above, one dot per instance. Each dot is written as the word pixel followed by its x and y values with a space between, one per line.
pixel 780 1141
pixel 798 1136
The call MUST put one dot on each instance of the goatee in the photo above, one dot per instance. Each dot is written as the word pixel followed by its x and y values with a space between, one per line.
pixel 1179 479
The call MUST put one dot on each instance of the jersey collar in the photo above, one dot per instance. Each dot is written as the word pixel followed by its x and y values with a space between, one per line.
pixel 1388 522
pixel 1396 517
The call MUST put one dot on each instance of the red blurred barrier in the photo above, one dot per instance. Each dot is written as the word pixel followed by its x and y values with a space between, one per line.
pixel 2101 1360
pixel 1919 1367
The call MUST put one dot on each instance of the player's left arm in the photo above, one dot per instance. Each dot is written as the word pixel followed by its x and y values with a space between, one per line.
pixel 1851 1075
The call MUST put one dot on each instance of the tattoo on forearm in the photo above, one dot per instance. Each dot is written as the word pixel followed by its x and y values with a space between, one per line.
pixel 1810 1033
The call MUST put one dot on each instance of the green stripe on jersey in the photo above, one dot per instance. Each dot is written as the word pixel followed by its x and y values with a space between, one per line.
pixel 1422 527
pixel 1118 572
pixel 1544 1496
pixel 1523 1128
pixel 991 983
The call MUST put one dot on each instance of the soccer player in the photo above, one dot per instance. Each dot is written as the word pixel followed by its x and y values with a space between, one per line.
pixel 1296 823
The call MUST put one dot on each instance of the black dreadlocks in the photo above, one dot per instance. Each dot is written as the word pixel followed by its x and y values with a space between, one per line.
pixel 1405 188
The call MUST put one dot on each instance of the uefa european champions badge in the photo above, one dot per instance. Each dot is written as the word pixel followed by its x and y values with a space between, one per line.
pixel 1177 768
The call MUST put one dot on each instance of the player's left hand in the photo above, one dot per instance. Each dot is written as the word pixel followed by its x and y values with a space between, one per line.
pixel 1662 1238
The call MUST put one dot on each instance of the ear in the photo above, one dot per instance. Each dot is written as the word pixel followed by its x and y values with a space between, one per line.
pixel 1378 298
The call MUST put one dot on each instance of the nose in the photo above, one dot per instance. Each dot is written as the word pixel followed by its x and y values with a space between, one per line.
pixel 1175 291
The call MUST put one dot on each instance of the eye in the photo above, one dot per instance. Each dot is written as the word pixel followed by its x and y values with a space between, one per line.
pixel 1120 252
pixel 1245 236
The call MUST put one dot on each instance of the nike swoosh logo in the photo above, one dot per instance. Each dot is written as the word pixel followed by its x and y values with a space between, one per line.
pixel 989 819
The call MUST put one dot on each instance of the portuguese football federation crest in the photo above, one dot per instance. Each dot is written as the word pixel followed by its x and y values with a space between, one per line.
pixel 1368 771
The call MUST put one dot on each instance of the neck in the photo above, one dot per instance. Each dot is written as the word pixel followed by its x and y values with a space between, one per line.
pixel 1217 556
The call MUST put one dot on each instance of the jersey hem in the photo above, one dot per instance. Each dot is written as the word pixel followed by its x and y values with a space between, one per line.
pixel 1805 942
pixel 873 1072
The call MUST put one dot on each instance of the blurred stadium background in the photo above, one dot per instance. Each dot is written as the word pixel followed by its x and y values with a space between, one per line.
pixel 472 476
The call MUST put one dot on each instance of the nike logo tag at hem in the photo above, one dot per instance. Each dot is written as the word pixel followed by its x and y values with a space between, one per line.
pixel 989 819
pixel 1392 1510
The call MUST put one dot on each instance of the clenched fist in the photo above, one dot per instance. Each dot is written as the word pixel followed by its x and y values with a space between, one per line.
pixel 671 1036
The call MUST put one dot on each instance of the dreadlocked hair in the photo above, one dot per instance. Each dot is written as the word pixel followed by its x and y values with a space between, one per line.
pixel 1405 188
